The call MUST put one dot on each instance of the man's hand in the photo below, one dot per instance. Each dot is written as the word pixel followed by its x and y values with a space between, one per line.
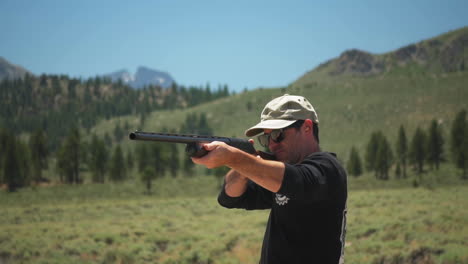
pixel 219 153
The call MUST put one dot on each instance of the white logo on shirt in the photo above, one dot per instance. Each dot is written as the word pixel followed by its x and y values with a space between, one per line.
pixel 281 199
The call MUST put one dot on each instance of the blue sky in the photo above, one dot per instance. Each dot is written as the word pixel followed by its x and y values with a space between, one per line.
pixel 244 44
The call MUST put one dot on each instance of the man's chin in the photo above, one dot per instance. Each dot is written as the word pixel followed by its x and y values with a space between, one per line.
pixel 280 156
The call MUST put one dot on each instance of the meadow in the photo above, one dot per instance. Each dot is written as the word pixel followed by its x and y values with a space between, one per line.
pixel 181 222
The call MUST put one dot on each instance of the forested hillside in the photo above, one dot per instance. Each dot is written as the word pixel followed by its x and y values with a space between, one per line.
pixel 55 103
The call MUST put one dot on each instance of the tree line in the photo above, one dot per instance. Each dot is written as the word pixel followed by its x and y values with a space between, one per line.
pixel 426 147
pixel 52 102
pixel 24 163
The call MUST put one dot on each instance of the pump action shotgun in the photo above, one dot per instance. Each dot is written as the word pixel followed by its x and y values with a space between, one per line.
pixel 194 147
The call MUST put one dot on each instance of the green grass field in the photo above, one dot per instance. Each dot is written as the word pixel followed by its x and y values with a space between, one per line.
pixel 182 223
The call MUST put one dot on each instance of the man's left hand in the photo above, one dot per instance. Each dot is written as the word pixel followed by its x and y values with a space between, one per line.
pixel 218 155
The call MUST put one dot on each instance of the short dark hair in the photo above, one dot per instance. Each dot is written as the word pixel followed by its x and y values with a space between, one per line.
pixel 315 128
pixel 316 132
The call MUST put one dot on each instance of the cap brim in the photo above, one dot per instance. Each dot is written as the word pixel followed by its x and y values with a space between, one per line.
pixel 268 124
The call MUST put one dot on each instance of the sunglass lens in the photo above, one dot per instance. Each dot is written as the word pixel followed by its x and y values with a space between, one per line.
pixel 276 135
pixel 263 140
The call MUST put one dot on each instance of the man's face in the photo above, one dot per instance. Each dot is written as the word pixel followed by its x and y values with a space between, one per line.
pixel 288 150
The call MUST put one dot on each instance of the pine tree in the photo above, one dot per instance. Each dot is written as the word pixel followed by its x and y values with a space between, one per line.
pixel 39 154
pixel 69 159
pixel 3 144
pixel 15 164
pixel 98 159
pixel 372 148
pixel 459 142
pixel 418 150
pixel 435 145
pixel 174 160
pixel 398 171
pixel 147 177
pixel 159 158
pixel 384 158
pixel 119 133
pixel 142 154
pixel 117 170
pixel 354 163
pixel 402 150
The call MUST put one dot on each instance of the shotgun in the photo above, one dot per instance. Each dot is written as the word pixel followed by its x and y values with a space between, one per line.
pixel 194 147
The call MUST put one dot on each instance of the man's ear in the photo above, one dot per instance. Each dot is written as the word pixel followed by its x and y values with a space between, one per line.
pixel 308 126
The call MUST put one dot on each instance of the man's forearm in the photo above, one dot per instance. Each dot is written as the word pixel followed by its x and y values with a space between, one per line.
pixel 235 184
pixel 266 173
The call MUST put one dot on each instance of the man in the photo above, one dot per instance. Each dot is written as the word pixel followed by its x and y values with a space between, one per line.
pixel 306 189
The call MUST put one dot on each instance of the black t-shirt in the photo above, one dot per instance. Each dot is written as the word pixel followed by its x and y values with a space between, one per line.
pixel 308 214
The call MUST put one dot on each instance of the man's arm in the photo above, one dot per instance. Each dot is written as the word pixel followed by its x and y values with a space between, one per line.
pixel 235 184
pixel 266 173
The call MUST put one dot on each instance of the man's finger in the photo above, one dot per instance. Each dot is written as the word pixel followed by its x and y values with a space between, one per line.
pixel 210 146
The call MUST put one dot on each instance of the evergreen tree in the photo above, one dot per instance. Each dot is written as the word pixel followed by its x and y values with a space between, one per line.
pixel 56 88
pixel 402 150
pixel 119 133
pixel 43 80
pixel 142 154
pixel 372 148
pixel 159 158
pixel 71 91
pixel 384 158
pixel 203 126
pixel 61 165
pixel 459 142
pixel 69 159
pixel 398 172
pixel 418 150
pixel 15 168
pixel 39 154
pixel 435 145
pixel 98 159
pixel 147 177
pixel 3 143
pixel 354 163
pixel 117 168
pixel 174 160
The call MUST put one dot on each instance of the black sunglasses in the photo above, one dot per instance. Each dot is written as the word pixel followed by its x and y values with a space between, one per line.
pixel 277 135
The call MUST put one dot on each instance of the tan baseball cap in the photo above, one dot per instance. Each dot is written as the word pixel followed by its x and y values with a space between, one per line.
pixel 282 112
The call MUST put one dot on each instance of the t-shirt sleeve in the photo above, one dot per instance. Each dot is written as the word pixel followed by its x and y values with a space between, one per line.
pixel 307 181
pixel 255 197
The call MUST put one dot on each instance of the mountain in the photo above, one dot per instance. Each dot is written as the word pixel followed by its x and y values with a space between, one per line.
pixel 445 53
pixel 143 77
pixel 11 71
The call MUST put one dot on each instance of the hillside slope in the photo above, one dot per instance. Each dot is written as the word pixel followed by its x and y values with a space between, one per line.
pixel 445 53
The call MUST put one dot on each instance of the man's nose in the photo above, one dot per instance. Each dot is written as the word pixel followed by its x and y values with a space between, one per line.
pixel 272 144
